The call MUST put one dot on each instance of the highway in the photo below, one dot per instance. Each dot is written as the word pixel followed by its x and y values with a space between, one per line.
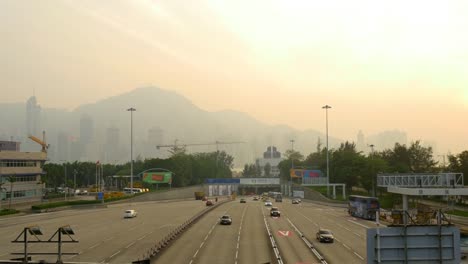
pixel 105 237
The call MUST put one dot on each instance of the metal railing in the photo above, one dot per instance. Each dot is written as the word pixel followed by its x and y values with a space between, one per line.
pixel 424 180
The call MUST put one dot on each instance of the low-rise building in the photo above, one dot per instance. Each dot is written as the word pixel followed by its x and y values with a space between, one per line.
pixel 20 174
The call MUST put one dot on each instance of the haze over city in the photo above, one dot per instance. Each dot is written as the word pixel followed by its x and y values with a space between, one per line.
pixel 381 66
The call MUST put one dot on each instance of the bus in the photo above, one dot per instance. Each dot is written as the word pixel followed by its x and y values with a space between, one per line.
pixel 363 206
pixel 135 190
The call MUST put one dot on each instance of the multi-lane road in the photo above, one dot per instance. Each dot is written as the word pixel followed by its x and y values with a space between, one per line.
pixel 106 237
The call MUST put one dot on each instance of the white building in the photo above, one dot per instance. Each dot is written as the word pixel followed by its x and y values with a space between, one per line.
pixel 272 157
pixel 25 168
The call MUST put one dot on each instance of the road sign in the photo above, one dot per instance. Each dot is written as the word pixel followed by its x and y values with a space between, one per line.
pixel 284 233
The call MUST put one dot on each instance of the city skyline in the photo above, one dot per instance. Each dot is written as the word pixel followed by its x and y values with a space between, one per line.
pixel 389 66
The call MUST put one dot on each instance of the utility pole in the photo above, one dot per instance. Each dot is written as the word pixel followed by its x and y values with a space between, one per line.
pixel 292 153
pixel 372 173
pixel 131 148
pixel 74 182
pixel 326 107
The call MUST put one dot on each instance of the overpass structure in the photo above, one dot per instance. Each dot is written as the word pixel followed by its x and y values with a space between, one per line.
pixel 227 186
pixel 434 184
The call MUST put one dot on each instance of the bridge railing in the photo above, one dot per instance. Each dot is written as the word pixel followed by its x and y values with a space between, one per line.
pixel 452 180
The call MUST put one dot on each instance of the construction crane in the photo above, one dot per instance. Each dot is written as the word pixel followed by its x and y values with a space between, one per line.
pixel 42 142
pixel 176 147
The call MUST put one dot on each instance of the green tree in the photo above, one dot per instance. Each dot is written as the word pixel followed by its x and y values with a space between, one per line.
pixel 459 163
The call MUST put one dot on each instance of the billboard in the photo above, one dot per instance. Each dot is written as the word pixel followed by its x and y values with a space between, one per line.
pixel 260 181
pixel 300 173
pixel 157 177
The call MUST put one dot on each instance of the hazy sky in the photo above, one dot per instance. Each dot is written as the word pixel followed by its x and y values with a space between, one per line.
pixel 380 64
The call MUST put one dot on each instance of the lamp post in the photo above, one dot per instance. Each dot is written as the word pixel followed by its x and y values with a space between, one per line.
pixel 292 158
pixel 326 107
pixel 372 173
pixel 131 148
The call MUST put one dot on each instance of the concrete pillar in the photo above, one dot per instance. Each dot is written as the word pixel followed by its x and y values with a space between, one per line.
pixel 334 191
pixel 344 190
pixel 405 209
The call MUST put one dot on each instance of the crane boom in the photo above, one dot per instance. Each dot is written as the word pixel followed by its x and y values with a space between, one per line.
pixel 40 142
pixel 175 145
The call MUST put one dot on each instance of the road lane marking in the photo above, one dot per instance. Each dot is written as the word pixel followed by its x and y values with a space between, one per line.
pixel 133 228
pixel 347 229
pixel 191 261
pixel 141 237
pixel 114 254
pixel 359 224
pixel 108 239
pixel 195 253
pixel 202 243
pixel 359 256
pixel 337 240
pixel 91 247
pixel 357 234
pixel 131 244
pixel 346 246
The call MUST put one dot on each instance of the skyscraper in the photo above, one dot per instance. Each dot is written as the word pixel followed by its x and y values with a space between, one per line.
pixel 111 147
pixel 63 147
pixel 33 116
pixel 360 143
pixel 86 129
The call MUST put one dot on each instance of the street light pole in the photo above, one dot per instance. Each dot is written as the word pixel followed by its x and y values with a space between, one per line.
pixel 326 107
pixel 292 158
pixel 372 159
pixel 131 148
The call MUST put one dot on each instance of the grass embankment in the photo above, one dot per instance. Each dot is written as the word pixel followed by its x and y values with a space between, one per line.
pixel 8 211
pixel 458 213
pixel 108 197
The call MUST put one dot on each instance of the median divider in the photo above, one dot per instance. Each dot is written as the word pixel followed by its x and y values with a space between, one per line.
pixel 309 244
pixel 272 241
pixel 164 243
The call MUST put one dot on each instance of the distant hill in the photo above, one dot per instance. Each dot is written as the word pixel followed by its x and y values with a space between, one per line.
pixel 176 116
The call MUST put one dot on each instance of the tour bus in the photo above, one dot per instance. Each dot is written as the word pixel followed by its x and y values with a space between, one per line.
pixel 135 190
pixel 363 206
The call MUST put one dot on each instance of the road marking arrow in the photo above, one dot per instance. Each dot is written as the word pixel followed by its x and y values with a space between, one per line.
pixel 284 233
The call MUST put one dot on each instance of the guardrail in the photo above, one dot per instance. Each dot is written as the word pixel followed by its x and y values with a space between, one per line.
pixel 273 242
pixel 175 233
pixel 309 244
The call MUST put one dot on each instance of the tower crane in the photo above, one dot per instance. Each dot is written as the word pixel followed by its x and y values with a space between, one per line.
pixel 42 142
pixel 176 146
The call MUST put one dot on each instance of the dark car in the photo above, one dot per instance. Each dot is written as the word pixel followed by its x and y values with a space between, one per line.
pixel 225 220
pixel 274 211
pixel 209 203
pixel 243 200
pixel 325 235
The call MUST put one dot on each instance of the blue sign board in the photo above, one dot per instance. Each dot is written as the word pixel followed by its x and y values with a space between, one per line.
pixel 222 181
pixel 100 196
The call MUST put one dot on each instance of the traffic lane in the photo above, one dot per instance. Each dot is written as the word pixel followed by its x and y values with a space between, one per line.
pixel 290 245
pixel 134 236
pixel 223 244
pixel 348 230
pixel 354 228
pixel 255 247
pixel 350 252
pixel 187 247
pixel 94 228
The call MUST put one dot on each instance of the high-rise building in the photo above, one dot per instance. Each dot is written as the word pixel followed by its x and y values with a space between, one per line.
pixel 63 147
pixel 33 116
pixel 86 129
pixel 360 143
pixel 111 147
pixel 271 158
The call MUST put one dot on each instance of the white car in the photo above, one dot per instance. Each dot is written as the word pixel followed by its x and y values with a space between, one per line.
pixel 130 213
pixel 268 203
